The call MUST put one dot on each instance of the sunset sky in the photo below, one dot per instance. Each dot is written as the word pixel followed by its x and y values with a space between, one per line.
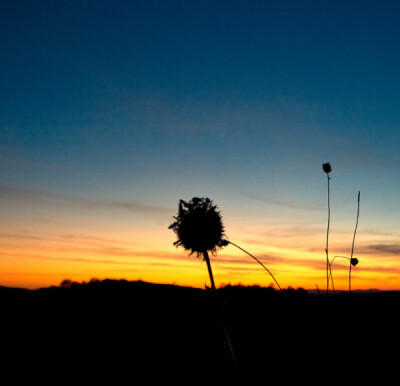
pixel 113 111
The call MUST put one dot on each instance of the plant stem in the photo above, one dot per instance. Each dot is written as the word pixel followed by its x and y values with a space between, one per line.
pixel 327 238
pixel 331 276
pixel 207 260
pixel 228 340
pixel 258 261
pixel 330 269
pixel 352 247
pixel 344 257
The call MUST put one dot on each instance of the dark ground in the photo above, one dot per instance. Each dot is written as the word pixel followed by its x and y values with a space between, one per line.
pixel 119 330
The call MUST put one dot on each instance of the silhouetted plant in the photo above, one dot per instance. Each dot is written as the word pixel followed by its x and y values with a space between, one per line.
pixel 199 229
pixel 330 274
pixel 327 169
pixel 353 261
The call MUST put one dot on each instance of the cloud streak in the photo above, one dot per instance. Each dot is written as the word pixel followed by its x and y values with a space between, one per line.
pixel 20 163
pixel 69 259
pixel 33 196
pixel 281 203
pixel 382 249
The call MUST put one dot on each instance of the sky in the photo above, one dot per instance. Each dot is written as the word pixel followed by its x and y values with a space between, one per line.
pixel 113 111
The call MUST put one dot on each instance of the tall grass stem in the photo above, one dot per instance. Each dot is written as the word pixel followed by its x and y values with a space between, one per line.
pixel 330 269
pixel 327 240
pixel 352 247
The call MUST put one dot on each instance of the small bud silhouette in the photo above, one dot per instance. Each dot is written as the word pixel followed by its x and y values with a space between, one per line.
pixel 327 167
pixel 353 261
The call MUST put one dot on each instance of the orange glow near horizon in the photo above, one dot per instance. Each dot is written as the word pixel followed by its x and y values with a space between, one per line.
pixel 108 123
pixel 41 258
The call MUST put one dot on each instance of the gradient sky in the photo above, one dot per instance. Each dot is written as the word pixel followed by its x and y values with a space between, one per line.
pixel 112 111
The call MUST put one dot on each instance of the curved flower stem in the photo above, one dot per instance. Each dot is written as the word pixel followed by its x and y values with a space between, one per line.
pixel 352 247
pixel 258 261
pixel 330 268
pixel 344 257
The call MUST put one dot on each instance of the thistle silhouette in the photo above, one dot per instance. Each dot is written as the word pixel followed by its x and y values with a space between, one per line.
pixel 327 169
pixel 199 229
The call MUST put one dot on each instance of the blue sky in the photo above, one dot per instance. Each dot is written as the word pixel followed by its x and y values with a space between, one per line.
pixel 151 101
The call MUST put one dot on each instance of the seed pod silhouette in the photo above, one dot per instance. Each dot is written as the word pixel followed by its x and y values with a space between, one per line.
pixel 327 167
pixel 354 261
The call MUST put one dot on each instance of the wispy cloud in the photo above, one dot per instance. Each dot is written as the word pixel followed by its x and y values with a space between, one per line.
pixel 139 262
pixel 81 245
pixel 379 269
pixel 20 163
pixel 382 249
pixel 69 259
pixel 277 202
pixel 269 260
pixel 34 196
pixel 379 232
pixel 286 204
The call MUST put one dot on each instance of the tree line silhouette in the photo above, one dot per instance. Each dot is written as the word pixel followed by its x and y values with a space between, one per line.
pixel 123 328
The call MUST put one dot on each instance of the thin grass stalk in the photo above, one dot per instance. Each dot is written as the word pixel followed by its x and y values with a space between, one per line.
pixel 258 261
pixel 352 247
pixel 327 239
pixel 331 276
pixel 330 269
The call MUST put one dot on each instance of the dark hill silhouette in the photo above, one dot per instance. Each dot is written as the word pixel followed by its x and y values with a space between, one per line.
pixel 123 329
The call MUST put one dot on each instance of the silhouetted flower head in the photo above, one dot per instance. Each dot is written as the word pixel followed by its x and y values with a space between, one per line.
pixel 199 226
pixel 353 261
pixel 327 167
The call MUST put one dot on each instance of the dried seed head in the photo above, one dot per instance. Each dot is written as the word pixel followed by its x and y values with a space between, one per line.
pixel 327 167
pixel 353 261
pixel 199 226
